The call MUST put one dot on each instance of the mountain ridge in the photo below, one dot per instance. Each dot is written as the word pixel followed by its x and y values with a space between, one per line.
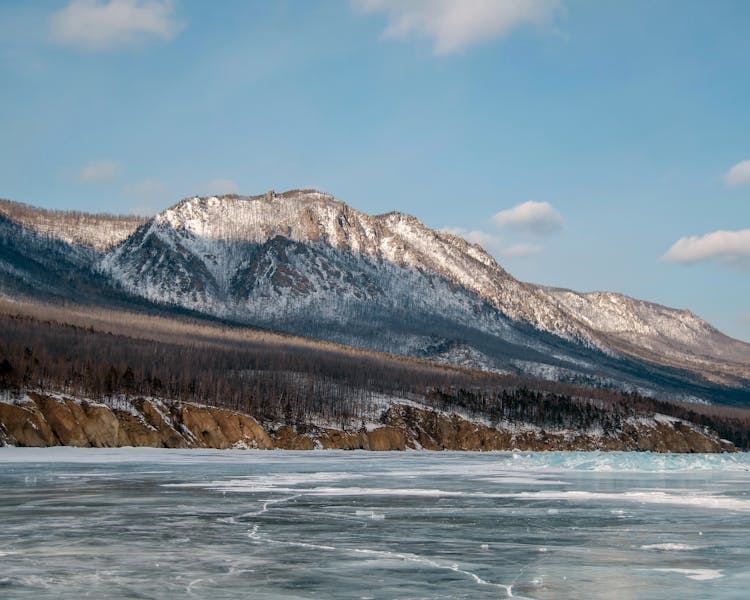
pixel 305 262
pixel 74 227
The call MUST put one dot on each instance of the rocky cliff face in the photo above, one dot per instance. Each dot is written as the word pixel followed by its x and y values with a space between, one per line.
pixel 434 430
pixel 52 420
pixel 45 420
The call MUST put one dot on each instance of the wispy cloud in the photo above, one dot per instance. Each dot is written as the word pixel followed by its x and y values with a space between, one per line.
pixel 522 251
pixel 488 241
pixel 103 25
pixel 100 171
pixel 454 25
pixel 219 187
pixel 534 217
pixel 729 247
pixel 147 196
pixel 495 244
pixel 738 175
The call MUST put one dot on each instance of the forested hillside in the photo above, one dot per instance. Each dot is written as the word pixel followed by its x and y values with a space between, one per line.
pixel 279 378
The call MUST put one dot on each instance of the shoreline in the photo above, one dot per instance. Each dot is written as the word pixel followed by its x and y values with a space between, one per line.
pixel 39 419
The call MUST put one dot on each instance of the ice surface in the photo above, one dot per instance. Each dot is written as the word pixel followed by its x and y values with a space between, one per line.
pixel 671 546
pixel 276 524
pixel 696 574
pixel 691 498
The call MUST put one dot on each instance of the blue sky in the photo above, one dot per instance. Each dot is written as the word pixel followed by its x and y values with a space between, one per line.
pixel 586 144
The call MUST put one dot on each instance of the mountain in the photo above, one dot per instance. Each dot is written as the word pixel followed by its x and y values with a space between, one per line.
pixel 303 262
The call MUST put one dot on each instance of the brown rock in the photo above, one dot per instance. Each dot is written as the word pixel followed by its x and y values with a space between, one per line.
pixel 61 420
pixel 436 431
pixel 344 440
pixel 386 438
pixel 286 438
pixel 136 432
pixel 100 425
pixel 25 425
pixel 200 422
pixel 241 430
pixel 162 422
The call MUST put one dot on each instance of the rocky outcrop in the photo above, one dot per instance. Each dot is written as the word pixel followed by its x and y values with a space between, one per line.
pixel 288 438
pixel 23 424
pixel 50 420
pixel 434 430
pixel 381 438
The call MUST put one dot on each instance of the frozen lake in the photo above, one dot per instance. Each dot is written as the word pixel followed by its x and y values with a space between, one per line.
pixel 145 523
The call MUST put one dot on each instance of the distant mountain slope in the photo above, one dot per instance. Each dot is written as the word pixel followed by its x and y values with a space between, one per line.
pixel 34 264
pixel 306 263
pixel 650 325
pixel 97 231
pixel 646 329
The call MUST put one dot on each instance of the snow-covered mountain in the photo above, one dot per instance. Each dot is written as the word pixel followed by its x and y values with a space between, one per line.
pixel 306 263
pixel 230 255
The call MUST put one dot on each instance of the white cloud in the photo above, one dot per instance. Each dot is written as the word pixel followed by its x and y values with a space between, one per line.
pixel 522 251
pixel 729 247
pixel 100 171
pixel 534 217
pixel 219 187
pixel 495 244
pixel 457 24
pixel 739 174
pixel 489 242
pixel 99 25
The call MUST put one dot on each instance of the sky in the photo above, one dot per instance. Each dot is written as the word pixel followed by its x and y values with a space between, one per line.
pixel 586 144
